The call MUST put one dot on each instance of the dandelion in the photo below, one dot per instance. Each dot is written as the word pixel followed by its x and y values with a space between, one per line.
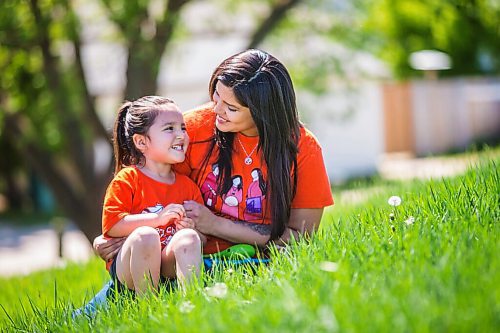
pixel 329 266
pixel 218 290
pixel 410 220
pixel 394 201
pixel 186 307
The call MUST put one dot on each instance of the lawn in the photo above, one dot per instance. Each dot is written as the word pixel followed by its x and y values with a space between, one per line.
pixel 428 264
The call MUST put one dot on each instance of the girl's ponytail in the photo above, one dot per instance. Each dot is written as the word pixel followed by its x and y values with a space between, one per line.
pixel 121 144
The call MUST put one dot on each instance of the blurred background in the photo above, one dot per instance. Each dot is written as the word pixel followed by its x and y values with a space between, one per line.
pixel 382 84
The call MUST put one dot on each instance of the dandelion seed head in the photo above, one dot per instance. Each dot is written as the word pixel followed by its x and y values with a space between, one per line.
pixel 218 290
pixel 328 319
pixel 329 266
pixel 186 307
pixel 410 220
pixel 394 201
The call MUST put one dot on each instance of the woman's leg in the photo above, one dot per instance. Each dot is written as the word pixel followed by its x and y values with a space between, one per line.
pixel 138 262
pixel 181 258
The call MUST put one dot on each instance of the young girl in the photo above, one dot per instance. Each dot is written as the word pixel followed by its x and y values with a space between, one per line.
pixel 142 201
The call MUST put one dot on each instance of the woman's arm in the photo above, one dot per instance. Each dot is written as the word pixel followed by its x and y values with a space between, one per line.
pixel 302 222
pixel 107 248
pixel 234 231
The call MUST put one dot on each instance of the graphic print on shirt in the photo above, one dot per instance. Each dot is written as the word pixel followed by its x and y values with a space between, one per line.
pixel 209 187
pixel 256 193
pixel 166 232
pixel 232 198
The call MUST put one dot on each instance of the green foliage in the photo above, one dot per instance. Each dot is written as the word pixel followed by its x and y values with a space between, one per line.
pixel 466 30
pixel 25 79
pixel 319 34
pixel 361 272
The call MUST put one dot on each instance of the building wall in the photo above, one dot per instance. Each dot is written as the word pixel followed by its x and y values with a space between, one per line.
pixel 440 116
pixel 349 126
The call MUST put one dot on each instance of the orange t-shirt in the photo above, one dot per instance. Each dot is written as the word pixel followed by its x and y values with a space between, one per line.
pixel 247 198
pixel 132 192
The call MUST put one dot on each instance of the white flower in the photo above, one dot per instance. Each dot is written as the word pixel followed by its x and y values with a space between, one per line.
pixel 329 266
pixel 218 290
pixel 186 307
pixel 394 201
pixel 410 220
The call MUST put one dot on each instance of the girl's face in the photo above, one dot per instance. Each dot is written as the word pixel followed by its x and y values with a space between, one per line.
pixel 166 141
pixel 231 115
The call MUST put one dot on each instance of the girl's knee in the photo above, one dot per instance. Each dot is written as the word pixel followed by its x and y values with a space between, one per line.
pixel 145 237
pixel 187 239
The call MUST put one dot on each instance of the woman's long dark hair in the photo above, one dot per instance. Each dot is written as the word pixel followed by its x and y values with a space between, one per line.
pixel 262 83
pixel 134 118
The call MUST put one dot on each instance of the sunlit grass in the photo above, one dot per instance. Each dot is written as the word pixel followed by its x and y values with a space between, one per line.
pixel 362 272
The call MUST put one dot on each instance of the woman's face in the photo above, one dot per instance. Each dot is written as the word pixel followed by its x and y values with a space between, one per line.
pixel 231 115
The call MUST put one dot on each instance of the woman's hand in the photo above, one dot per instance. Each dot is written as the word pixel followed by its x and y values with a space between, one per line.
pixel 107 248
pixel 202 217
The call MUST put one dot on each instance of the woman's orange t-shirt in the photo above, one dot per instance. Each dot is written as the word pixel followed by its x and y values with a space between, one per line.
pixel 247 198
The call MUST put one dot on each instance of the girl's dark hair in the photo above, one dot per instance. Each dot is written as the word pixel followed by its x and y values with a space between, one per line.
pixel 262 83
pixel 134 118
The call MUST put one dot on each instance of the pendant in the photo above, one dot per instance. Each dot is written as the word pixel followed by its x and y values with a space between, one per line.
pixel 248 160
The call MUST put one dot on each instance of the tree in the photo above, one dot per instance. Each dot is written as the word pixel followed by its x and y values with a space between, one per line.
pixel 48 115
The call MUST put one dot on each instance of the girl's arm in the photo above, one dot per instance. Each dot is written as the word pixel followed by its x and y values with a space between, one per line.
pixel 129 223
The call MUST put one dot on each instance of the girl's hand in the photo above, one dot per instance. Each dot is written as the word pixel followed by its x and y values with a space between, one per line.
pixel 185 223
pixel 188 223
pixel 202 217
pixel 174 212
pixel 107 248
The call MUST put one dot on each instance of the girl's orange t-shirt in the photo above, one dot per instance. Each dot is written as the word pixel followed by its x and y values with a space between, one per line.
pixel 132 192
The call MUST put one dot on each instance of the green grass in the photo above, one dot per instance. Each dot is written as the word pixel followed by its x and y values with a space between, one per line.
pixel 362 272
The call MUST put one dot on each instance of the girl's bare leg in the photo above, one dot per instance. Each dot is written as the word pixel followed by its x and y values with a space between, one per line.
pixel 138 262
pixel 182 256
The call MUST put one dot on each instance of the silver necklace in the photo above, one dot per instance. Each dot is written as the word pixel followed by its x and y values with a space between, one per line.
pixel 248 159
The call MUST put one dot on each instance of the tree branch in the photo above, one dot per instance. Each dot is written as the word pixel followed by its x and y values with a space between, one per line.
pixel 90 111
pixel 278 12
pixel 70 126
